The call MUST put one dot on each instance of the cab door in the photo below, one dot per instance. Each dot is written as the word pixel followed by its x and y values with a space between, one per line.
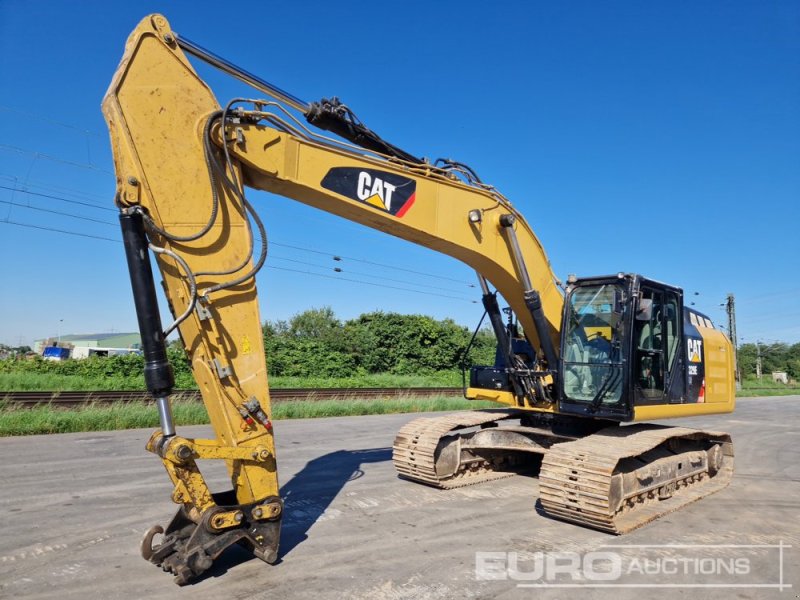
pixel 657 374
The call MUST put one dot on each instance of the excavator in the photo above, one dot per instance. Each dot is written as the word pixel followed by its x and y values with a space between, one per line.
pixel 580 367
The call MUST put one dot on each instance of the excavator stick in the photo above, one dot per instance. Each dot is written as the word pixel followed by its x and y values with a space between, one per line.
pixel 179 202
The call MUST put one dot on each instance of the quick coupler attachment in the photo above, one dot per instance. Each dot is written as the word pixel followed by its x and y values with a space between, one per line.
pixel 207 524
pixel 188 548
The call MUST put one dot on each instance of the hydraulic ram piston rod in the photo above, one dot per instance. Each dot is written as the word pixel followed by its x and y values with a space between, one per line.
pixel 158 374
pixel 240 74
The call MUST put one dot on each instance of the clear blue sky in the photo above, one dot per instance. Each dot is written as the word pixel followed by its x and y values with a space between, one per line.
pixel 653 137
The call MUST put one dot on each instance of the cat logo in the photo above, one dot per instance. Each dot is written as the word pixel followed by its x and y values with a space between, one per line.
pixel 387 192
pixel 375 191
pixel 695 350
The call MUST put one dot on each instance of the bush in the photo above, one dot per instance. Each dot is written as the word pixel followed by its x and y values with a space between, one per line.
pixel 316 343
pixel 106 371
pixel 312 344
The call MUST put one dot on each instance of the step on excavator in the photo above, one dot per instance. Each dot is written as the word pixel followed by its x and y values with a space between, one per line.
pixel 580 367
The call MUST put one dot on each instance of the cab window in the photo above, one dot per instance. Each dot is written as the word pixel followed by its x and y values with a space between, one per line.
pixel 649 337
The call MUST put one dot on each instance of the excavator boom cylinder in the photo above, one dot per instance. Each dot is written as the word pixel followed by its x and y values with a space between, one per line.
pixel 158 373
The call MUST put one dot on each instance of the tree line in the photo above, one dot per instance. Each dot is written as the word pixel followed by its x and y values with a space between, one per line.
pixel 776 356
pixel 317 342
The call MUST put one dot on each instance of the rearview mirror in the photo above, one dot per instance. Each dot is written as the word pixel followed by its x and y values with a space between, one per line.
pixel 645 310
pixel 619 302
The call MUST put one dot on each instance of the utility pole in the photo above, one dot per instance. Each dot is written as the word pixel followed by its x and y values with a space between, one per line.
pixel 731 310
pixel 758 360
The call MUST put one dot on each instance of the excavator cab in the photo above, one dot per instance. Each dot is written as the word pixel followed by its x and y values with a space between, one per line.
pixel 627 344
pixel 621 346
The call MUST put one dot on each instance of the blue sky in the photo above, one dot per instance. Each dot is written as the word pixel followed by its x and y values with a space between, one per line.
pixel 653 137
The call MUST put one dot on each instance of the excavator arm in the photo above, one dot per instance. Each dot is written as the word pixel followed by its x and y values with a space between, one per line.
pixel 274 152
pixel 182 163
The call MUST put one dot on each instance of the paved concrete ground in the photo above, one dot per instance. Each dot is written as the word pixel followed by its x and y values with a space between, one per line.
pixel 75 506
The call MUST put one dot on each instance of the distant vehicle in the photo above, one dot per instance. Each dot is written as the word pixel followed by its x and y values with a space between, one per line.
pixel 56 353
pixel 86 352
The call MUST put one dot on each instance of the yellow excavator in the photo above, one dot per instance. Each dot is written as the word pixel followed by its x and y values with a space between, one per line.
pixel 579 366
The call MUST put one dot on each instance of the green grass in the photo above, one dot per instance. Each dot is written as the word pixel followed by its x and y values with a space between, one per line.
pixel 48 419
pixel 42 382
pixel 767 387
pixel 22 381
pixel 377 380
pixel 385 406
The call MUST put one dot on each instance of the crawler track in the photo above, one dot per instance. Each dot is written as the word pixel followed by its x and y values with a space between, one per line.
pixel 414 449
pixel 615 480
pixel 576 481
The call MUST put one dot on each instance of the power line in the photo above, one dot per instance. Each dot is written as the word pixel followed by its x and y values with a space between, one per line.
pixel 334 256
pixel 50 120
pixel 56 212
pixel 405 281
pixel 27 183
pixel 76 233
pixel 755 318
pixel 747 318
pixel 59 198
pixel 377 264
pixel 97 237
pixel 83 131
pixel 373 284
pixel 762 297
pixel 54 159
pixel 760 317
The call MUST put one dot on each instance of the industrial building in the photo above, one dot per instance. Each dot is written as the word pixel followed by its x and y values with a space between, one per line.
pixel 93 344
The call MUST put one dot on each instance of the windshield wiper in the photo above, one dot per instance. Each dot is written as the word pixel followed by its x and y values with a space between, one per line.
pixel 609 383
